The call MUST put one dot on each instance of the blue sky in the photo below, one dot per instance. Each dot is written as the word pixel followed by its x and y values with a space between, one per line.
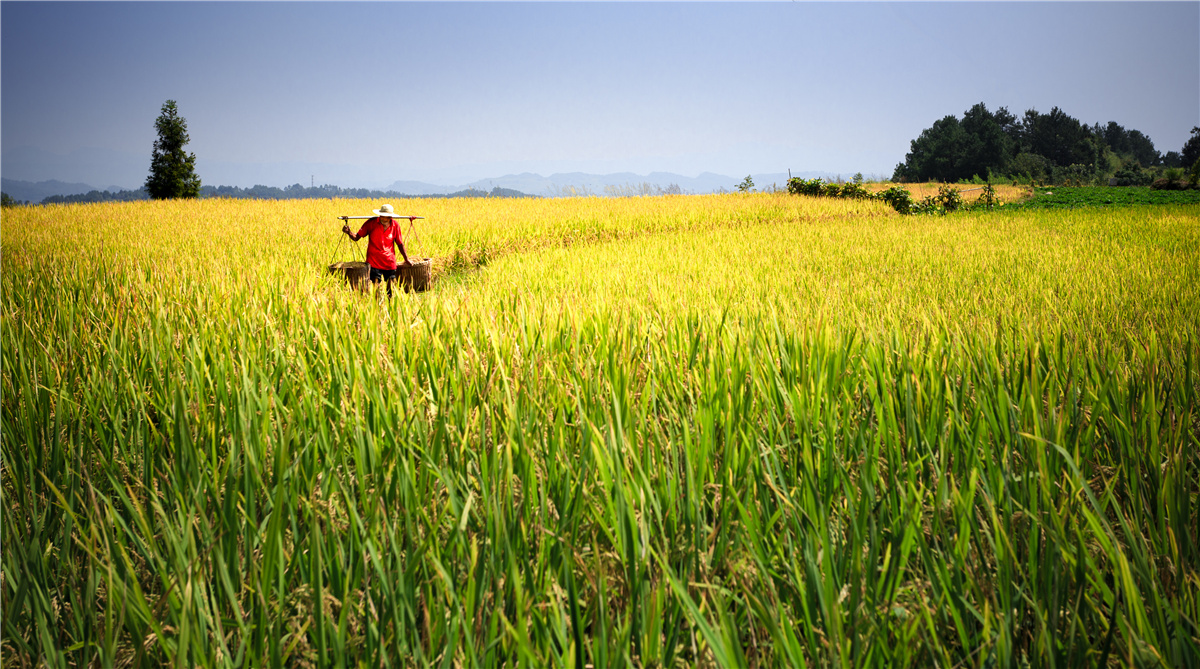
pixel 364 94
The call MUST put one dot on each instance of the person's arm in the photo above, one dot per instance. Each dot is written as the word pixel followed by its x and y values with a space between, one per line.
pixel 362 232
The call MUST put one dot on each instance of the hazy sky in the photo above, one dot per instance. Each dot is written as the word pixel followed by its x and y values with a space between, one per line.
pixel 363 94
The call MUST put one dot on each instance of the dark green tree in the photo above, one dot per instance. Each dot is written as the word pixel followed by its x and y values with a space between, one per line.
pixel 987 146
pixel 1011 125
pixel 1030 166
pixel 936 154
pixel 1190 152
pixel 1143 149
pixel 172 170
pixel 1128 144
pixel 1059 137
pixel 951 150
pixel 1117 138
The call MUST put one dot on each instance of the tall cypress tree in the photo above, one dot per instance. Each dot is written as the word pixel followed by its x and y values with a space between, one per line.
pixel 172 171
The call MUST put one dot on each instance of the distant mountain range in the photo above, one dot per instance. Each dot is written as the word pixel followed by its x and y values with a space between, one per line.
pixel 560 184
pixel 620 183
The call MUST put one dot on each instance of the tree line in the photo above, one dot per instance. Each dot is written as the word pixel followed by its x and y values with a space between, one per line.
pixel 260 192
pixel 1053 147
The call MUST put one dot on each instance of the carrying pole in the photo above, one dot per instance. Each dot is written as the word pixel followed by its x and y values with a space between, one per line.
pixel 348 218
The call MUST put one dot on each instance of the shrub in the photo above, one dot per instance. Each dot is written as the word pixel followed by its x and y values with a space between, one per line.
pixel 927 205
pixel 1176 178
pixel 798 186
pixel 987 199
pixel 856 191
pixel 949 198
pixel 1164 183
pixel 1074 174
pixel 899 197
pixel 1132 175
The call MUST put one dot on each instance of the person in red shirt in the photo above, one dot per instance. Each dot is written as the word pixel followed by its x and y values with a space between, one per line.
pixel 383 232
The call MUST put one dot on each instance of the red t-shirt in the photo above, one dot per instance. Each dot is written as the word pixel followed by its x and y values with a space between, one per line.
pixel 380 253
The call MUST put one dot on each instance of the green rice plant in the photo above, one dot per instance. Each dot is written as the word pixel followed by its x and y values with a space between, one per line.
pixel 741 430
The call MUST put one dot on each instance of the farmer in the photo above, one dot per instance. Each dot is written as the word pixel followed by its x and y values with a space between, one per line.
pixel 383 231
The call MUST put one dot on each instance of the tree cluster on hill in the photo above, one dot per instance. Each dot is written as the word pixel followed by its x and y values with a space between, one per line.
pixel 1051 147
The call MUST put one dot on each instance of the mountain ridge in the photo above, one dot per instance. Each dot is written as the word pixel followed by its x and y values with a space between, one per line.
pixel 36 191
pixel 584 183
pixel 554 185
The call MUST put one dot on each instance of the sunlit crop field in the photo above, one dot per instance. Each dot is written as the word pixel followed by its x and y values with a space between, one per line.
pixel 1005 193
pixel 729 430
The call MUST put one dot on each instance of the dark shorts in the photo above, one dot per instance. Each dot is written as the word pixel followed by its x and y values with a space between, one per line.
pixel 388 275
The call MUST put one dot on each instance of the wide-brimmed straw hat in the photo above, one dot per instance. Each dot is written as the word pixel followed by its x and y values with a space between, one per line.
pixel 385 210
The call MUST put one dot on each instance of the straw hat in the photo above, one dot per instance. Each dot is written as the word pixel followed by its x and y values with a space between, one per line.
pixel 384 210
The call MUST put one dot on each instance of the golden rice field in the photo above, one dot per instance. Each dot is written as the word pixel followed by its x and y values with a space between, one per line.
pixel 1005 193
pixel 734 430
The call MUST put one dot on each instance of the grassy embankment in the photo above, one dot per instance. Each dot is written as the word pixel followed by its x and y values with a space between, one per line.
pixel 713 430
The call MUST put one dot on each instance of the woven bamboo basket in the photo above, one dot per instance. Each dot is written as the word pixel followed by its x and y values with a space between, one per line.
pixel 355 273
pixel 416 278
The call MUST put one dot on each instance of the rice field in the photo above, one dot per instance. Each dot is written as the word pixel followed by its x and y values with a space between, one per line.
pixel 735 430
pixel 1005 193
